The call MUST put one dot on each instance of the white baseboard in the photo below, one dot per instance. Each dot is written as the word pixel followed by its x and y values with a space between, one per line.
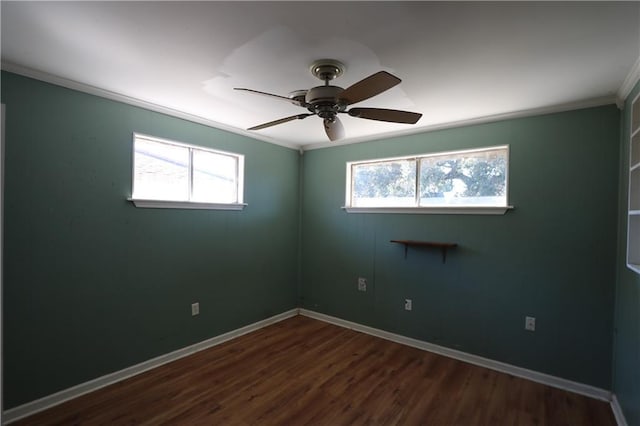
pixel 617 411
pixel 59 397
pixel 100 382
pixel 535 376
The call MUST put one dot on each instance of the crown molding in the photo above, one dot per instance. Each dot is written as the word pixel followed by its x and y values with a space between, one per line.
pixel 629 82
pixel 114 96
pixel 628 85
pixel 551 109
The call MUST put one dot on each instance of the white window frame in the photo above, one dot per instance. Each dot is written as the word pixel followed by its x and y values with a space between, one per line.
pixel 477 210
pixel 173 204
pixel 633 211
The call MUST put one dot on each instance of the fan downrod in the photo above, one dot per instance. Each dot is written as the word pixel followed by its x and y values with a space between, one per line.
pixel 327 69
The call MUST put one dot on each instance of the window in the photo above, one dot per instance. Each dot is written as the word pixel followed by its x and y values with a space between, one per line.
pixel 175 175
pixel 471 181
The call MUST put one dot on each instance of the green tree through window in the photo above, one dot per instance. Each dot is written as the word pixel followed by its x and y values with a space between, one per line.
pixel 386 179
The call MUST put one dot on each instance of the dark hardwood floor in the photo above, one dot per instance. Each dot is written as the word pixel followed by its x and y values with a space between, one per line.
pixel 305 372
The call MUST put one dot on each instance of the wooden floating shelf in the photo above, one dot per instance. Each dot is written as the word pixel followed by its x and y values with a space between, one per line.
pixel 413 243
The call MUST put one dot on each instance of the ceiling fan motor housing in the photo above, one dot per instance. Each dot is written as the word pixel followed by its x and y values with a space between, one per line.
pixel 324 101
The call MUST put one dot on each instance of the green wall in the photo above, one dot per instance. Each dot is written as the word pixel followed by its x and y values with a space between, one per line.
pixel 553 257
pixel 626 365
pixel 93 284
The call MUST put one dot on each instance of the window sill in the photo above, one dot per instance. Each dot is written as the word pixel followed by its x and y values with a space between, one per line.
pixel 165 204
pixel 635 268
pixel 431 210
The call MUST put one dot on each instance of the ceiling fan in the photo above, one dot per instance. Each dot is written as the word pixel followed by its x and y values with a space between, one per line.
pixel 328 101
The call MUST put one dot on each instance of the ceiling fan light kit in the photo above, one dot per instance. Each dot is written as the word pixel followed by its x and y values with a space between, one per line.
pixel 328 101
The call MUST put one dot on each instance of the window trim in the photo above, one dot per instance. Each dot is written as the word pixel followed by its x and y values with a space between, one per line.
pixel 479 210
pixel 187 204
pixel 196 205
pixel 474 210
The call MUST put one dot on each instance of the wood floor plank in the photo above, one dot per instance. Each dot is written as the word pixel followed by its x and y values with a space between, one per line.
pixel 306 372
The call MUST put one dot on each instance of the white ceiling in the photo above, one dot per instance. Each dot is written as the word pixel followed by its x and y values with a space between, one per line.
pixel 458 61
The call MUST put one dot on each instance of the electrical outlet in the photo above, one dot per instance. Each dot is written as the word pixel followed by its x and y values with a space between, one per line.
pixel 362 284
pixel 530 323
pixel 195 309
pixel 407 304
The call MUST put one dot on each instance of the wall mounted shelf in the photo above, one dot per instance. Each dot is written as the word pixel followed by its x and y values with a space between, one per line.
pixel 442 246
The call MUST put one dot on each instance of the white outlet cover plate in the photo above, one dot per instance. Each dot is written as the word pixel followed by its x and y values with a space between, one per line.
pixel 530 323
pixel 362 284
pixel 407 304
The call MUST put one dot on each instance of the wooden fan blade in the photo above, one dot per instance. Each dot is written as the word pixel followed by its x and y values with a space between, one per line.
pixel 280 121
pixel 334 129
pixel 391 115
pixel 369 87
pixel 271 95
